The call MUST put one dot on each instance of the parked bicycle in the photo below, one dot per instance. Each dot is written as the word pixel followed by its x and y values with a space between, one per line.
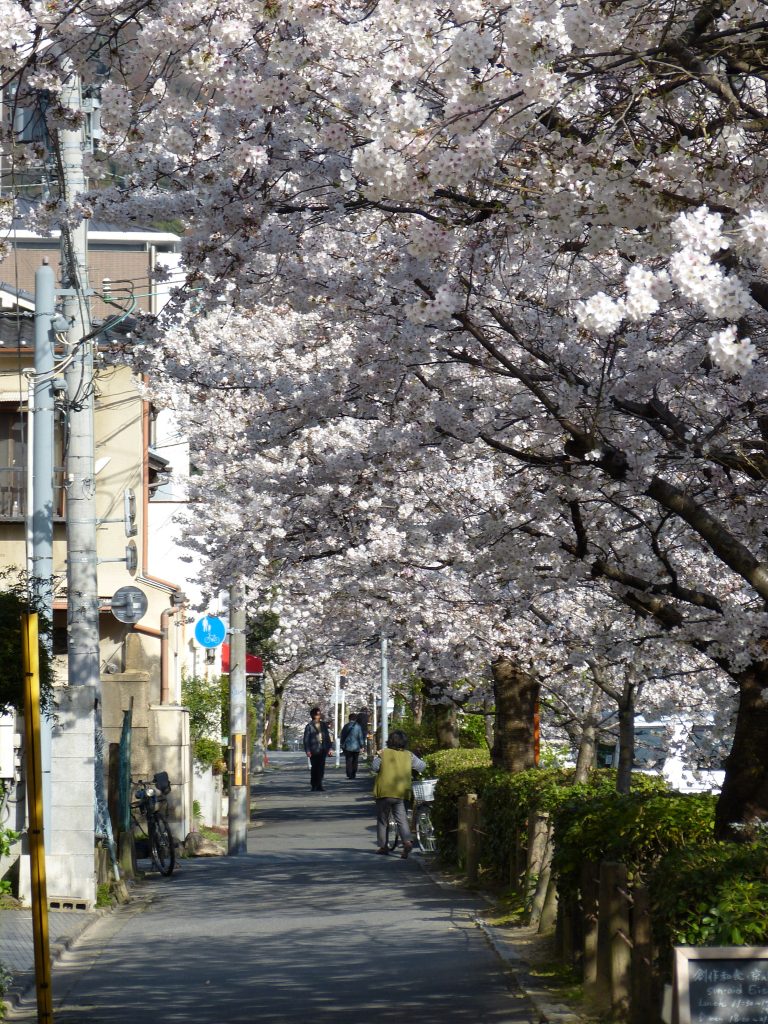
pixel 420 818
pixel 154 830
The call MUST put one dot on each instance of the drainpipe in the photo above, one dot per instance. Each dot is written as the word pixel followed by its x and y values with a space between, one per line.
pixel 165 620
pixel 178 602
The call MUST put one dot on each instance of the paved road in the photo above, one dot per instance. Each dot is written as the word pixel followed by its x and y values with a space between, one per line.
pixel 310 926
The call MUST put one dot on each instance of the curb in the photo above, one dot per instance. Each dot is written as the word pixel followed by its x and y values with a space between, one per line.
pixel 548 1010
pixel 21 996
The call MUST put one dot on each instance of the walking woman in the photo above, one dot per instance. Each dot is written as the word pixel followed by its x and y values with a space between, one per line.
pixel 393 787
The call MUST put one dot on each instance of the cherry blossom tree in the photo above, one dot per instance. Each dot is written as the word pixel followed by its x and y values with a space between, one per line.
pixel 523 239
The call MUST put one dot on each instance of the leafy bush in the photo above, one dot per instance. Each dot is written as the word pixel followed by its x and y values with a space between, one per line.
pixel 458 771
pixel 14 602
pixel 712 894
pixel 207 703
pixel 472 730
pixel 7 838
pixel 638 829
pixel 440 762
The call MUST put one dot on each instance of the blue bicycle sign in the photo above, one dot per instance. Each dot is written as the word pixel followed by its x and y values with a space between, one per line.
pixel 210 631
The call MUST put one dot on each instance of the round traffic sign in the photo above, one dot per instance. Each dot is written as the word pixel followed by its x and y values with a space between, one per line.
pixel 210 631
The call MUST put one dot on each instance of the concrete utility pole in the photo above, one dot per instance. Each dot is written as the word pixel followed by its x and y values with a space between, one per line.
pixel 384 691
pixel 83 597
pixel 239 803
pixel 74 751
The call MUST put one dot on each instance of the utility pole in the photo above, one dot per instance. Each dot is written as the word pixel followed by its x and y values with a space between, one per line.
pixel 336 677
pixel 239 802
pixel 82 586
pixel 40 494
pixel 73 761
pixel 384 691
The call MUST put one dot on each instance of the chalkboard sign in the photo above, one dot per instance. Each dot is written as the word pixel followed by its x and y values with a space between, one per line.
pixel 721 984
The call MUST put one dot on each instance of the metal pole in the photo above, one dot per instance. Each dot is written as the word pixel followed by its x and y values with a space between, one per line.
pixel 237 824
pixel 40 493
pixel 336 716
pixel 375 723
pixel 33 769
pixel 384 692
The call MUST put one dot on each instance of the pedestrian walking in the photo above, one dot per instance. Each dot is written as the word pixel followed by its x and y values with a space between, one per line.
pixel 394 767
pixel 317 746
pixel 352 741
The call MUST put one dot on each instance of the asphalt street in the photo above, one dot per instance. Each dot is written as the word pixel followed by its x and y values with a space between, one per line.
pixel 310 926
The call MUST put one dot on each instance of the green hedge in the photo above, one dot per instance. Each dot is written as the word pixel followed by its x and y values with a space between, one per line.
pixel 702 892
pixel 713 894
pixel 458 771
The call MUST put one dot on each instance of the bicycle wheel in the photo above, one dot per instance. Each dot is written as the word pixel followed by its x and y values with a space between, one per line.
pixel 425 832
pixel 161 842
pixel 391 839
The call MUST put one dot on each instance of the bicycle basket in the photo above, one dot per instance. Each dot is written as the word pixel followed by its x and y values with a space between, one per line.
pixel 424 790
pixel 162 782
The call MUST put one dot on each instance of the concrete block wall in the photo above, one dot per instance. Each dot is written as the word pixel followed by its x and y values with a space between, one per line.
pixel 207 790
pixel 71 876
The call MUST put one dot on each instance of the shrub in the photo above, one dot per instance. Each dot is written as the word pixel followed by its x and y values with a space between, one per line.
pixel 711 894
pixel 637 829
pixel 207 702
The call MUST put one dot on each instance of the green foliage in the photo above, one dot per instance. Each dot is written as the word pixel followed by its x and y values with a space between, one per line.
pixel 7 838
pixel 208 704
pixel 259 636
pixel 440 762
pixel 104 895
pixel 422 737
pixel 638 829
pixel 711 894
pixel 209 754
pixel 459 771
pixel 5 983
pixel 174 226
pixel 472 731
pixel 14 602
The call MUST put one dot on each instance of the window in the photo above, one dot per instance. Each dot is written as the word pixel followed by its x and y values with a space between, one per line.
pixel 13 462
pixel 14 436
pixel 651 747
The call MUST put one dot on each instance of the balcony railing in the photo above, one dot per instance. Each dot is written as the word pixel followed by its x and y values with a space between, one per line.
pixel 13 492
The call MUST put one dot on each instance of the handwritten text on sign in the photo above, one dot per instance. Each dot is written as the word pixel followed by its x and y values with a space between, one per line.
pixel 727 985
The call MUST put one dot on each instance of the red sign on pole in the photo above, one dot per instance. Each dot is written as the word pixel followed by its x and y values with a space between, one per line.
pixel 254 666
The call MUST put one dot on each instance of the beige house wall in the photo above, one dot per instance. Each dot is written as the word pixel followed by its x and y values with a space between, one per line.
pixel 119 460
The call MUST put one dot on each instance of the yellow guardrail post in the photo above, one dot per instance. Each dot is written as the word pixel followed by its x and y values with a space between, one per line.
pixel 34 774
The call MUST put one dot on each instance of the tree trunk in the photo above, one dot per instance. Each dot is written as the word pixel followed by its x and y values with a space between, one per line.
pixel 447 732
pixel 516 692
pixel 626 741
pixel 744 796
pixel 586 759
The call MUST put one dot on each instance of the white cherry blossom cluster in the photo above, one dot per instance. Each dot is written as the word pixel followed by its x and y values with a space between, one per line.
pixel 735 356
pixel 439 310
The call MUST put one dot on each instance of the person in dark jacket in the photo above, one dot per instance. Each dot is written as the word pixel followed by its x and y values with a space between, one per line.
pixel 352 742
pixel 317 746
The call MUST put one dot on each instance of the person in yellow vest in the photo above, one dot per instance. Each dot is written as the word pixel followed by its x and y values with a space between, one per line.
pixel 392 788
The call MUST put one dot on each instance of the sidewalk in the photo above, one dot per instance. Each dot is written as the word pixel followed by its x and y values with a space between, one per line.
pixel 408 940
pixel 17 953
